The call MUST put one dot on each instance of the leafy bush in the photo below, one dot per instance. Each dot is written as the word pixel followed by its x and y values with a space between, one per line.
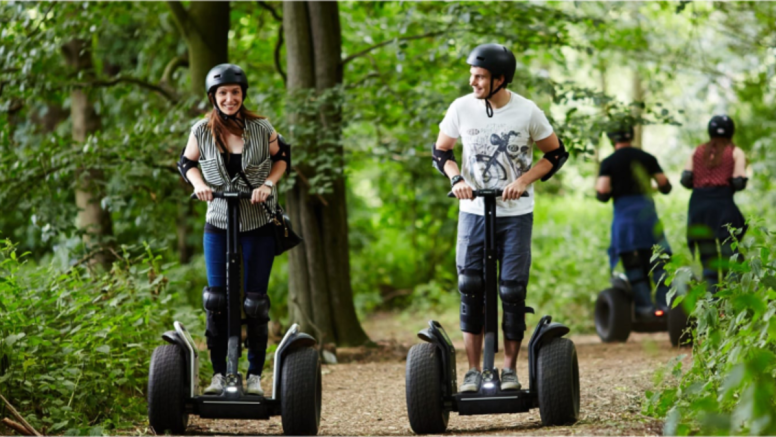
pixel 730 387
pixel 77 344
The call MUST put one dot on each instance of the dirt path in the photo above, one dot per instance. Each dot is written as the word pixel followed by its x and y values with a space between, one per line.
pixel 365 396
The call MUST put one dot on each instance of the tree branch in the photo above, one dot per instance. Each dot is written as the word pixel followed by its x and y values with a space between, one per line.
pixel 271 10
pixel 143 84
pixel 19 417
pixel 392 40
pixel 180 16
pixel 174 64
pixel 279 44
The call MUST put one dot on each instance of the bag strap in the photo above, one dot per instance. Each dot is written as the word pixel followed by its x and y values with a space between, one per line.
pixel 272 216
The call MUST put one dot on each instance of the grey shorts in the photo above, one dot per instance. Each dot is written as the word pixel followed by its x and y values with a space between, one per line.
pixel 513 245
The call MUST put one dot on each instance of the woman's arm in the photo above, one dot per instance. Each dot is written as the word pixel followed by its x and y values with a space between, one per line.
pixel 278 167
pixel 739 163
pixel 201 189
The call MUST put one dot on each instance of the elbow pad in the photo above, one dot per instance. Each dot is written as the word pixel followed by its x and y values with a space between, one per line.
pixel 557 158
pixel 184 165
pixel 440 158
pixel 284 154
pixel 686 180
pixel 738 183
pixel 603 197
pixel 665 189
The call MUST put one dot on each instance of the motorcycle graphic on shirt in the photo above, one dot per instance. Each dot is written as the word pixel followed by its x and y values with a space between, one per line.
pixel 499 159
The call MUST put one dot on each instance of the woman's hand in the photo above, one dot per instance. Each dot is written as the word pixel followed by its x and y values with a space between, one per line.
pixel 203 192
pixel 261 194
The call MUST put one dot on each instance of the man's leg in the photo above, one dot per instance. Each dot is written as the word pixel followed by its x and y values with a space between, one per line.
pixel 469 256
pixel 515 264
pixel 638 277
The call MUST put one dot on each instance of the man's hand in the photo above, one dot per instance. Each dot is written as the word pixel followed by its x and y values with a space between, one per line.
pixel 462 190
pixel 514 190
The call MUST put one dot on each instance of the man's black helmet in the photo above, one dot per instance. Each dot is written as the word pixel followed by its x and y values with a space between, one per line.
pixel 495 58
pixel 721 126
pixel 225 74
pixel 624 134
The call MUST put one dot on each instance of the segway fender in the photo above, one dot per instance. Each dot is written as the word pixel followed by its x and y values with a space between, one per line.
pixel 620 282
pixel 293 339
pixel 181 338
pixel 545 332
pixel 435 334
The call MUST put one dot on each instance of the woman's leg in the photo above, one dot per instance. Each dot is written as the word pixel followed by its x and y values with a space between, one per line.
pixel 258 256
pixel 217 326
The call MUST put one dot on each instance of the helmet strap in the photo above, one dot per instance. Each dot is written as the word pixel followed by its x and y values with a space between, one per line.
pixel 488 106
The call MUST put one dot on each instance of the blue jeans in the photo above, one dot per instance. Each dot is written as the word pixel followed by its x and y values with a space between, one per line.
pixel 258 252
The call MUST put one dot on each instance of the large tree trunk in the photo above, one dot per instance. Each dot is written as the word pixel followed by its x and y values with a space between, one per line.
pixel 320 295
pixel 205 27
pixel 92 219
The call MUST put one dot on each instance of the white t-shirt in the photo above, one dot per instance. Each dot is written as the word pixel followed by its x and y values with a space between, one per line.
pixel 498 150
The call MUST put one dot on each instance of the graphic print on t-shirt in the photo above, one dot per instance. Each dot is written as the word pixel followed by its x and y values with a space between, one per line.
pixel 498 155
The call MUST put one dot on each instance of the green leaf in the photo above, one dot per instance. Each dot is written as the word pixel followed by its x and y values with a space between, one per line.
pixel 104 349
pixel 13 338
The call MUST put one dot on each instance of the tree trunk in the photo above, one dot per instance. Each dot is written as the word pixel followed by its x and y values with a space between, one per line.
pixel 205 27
pixel 320 292
pixel 92 219
pixel 638 96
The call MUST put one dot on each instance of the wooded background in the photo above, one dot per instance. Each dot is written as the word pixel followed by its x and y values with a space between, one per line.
pixel 103 248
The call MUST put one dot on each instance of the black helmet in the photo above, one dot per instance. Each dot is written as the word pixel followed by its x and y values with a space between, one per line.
pixel 225 74
pixel 721 126
pixel 495 58
pixel 624 134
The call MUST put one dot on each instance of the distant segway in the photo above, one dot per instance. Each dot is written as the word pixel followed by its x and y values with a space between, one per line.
pixel 173 392
pixel 431 387
pixel 616 317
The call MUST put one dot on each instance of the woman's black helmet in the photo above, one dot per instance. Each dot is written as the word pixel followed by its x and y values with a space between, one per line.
pixel 495 58
pixel 721 126
pixel 225 74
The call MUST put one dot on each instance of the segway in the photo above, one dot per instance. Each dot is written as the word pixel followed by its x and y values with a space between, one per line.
pixel 616 317
pixel 431 382
pixel 173 392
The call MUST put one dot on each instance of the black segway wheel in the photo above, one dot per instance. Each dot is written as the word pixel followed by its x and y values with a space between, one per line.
pixel 678 327
pixel 613 316
pixel 167 390
pixel 423 390
pixel 558 382
pixel 300 402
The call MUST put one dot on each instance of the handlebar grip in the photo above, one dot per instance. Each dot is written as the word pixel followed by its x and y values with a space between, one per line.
pixel 239 195
pixel 484 193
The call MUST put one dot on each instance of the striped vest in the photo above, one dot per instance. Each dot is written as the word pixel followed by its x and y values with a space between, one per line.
pixel 256 165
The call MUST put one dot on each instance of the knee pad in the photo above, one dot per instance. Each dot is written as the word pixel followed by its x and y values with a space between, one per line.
pixel 470 285
pixel 513 304
pixel 257 335
pixel 257 306
pixel 214 299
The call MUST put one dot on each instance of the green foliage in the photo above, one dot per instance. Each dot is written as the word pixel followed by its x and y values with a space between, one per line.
pixel 76 344
pixel 730 386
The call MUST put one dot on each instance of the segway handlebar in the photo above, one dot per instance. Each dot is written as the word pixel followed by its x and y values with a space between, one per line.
pixel 227 195
pixel 488 193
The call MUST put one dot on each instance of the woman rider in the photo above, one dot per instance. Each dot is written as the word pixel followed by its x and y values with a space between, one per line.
pixel 230 140
pixel 714 172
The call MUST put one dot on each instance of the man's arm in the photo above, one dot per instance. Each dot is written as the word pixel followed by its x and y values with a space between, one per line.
pixel 538 171
pixel 461 190
pixel 603 188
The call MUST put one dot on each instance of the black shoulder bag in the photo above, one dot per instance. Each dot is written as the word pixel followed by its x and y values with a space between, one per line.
pixel 285 237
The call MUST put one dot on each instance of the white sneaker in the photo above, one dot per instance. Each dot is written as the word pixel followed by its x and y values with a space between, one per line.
pixel 253 386
pixel 509 380
pixel 216 386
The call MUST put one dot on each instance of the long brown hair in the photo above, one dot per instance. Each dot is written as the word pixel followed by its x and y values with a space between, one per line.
pixel 712 153
pixel 220 127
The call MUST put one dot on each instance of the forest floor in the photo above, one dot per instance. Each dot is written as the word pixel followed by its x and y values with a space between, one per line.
pixel 364 393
